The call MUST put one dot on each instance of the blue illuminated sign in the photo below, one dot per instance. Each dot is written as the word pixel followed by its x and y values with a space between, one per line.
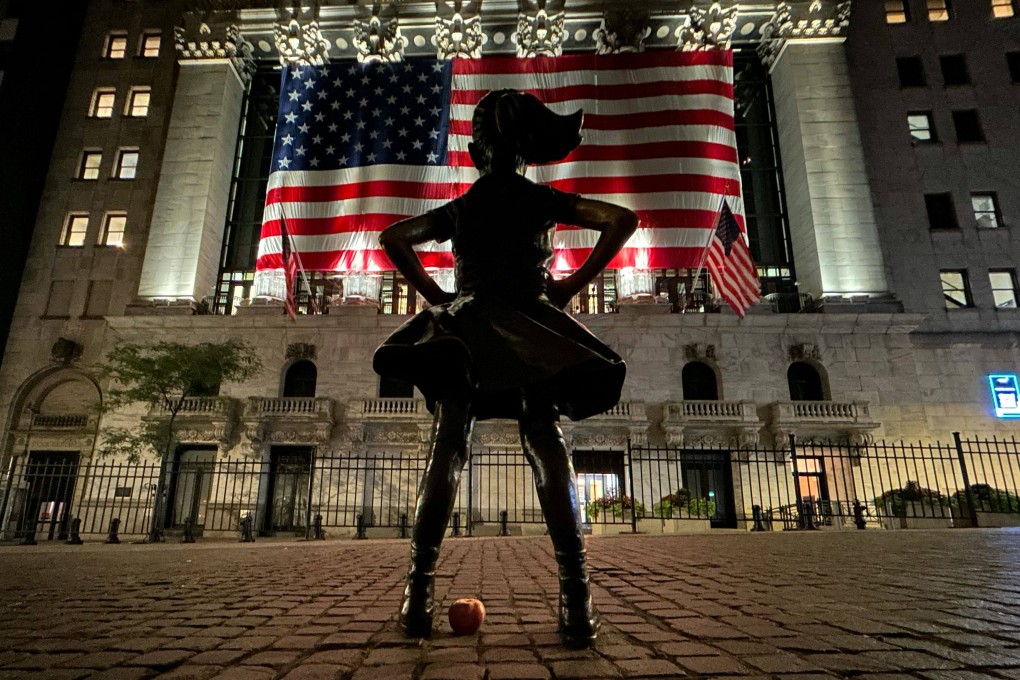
pixel 1005 395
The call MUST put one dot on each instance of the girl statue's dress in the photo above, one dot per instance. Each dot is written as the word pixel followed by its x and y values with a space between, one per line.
pixel 501 346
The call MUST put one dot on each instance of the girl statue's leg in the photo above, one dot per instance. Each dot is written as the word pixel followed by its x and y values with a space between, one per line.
pixel 451 431
pixel 547 452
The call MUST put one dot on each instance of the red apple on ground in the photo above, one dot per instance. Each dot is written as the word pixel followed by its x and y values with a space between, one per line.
pixel 466 615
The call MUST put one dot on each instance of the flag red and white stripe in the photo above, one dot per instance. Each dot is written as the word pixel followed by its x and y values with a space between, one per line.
pixel 730 265
pixel 658 138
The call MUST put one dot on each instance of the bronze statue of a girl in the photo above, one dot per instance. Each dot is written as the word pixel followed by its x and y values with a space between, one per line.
pixel 501 346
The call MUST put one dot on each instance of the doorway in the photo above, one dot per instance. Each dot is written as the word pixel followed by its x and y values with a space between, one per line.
pixel 190 484
pixel 708 478
pixel 50 477
pixel 600 476
pixel 289 475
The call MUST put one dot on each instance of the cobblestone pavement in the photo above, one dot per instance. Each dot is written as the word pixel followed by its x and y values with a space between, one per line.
pixel 879 605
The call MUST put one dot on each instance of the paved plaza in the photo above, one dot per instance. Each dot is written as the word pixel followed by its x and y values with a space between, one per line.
pixel 805 605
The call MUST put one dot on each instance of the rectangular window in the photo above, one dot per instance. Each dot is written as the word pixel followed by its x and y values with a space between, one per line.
pixel 89 166
pixel 922 128
pixel 75 227
pixel 941 214
pixel 968 126
pixel 986 210
pixel 150 44
pixel 127 164
pixel 896 12
pixel 115 46
pixel 1004 288
pixel 955 288
pixel 1013 63
pixel 58 304
pixel 97 303
pixel 102 102
pixel 954 69
pixel 938 10
pixel 138 102
pixel 1002 9
pixel 911 71
pixel 113 230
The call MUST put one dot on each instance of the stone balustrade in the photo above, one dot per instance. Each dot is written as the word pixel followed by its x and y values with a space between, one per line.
pixel 282 407
pixel 388 407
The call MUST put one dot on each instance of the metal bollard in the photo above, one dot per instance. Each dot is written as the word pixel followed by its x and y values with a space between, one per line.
pixel 402 526
pixel 362 530
pixel 759 523
pixel 317 533
pixel 859 511
pixel 189 531
pixel 807 516
pixel 456 525
pixel 75 538
pixel 504 529
pixel 245 526
pixel 112 536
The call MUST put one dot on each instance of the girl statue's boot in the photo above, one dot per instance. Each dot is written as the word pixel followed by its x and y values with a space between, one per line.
pixel 416 610
pixel 578 619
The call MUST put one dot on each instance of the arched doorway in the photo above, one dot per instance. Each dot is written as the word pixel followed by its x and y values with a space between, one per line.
pixel 299 381
pixel 805 382
pixel 699 381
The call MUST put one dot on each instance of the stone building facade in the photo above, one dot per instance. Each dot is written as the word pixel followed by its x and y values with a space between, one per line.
pixel 879 318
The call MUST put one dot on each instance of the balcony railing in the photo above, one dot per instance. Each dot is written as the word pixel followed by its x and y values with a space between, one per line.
pixel 387 407
pixel 53 422
pixel 290 406
pixel 830 410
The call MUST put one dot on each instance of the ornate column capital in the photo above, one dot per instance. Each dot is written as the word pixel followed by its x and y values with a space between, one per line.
pixel 623 29
pixel 820 19
pixel 377 33
pixel 299 39
pixel 214 35
pixel 708 29
pixel 540 28
pixel 459 29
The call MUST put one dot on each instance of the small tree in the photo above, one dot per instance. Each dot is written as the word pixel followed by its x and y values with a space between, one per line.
pixel 164 375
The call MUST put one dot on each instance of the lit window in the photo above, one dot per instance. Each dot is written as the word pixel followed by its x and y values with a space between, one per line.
pixel 1004 288
pixel 896 12
pixel 1002 9
pixel 938 10
pixel 89 167
pixel 127 164
pixel 954 69
pixel 75 227
pixel 941 214
pixel 116 46
pixel 922 129
pixel 968 126
pixel 910 71
pixel 102 103
pixel 955 288
pixel 113 229
pixel 138 102
pixel 1013 63
pixel 150 44
pixel 986 210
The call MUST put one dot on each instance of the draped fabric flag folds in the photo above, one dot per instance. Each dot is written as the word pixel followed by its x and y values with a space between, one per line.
pixel 360 146
pixel 729 262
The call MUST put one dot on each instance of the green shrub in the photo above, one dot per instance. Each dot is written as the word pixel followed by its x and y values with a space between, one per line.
pixel 911 492
pixel 682 503
pixel 614 505
pixel 988 499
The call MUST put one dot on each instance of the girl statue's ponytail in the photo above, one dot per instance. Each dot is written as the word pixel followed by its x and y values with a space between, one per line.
pixel 511 129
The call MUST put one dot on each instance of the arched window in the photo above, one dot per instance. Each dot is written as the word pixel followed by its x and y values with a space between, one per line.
pixel 699 381
pixel 805 382
pixel 395 388
pixel 300 379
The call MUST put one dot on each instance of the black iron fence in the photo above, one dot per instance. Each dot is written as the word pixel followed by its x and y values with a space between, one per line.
pixel 806 485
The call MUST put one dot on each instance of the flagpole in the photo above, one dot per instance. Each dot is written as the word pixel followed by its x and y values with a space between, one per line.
pixel 297 256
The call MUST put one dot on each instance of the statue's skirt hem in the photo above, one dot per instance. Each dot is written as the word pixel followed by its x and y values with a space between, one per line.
pixel 488 350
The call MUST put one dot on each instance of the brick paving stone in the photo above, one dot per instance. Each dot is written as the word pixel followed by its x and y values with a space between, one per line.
pixel 401 672
pixel 42 661
pixel 584 668
pixel 142 644
pixel 779 663
pixel 451 655
pixel 345 640
pixel 517 671
pixel 712 665
pixel 275 658
pixel 217 657
pixel 314 671
pixel 392 655
pixel 622 651
pixel 246 673
pixel 124 673
pixel 348 658
pixel 453 671
pixel 648 668
pixel 160 659
pixel 248 642
pixel 687 649
pixel 502 654
pixel 99 660
pixel 296 642
pixel 191 672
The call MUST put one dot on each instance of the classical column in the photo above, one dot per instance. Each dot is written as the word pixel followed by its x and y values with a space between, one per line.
pixel 190 211
pixel 832 220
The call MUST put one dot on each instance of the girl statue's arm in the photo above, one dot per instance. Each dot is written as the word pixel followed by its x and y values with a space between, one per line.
pixel 615 224
pixel 398 240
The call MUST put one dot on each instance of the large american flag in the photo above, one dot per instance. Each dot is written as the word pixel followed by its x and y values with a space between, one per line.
pixel 360 146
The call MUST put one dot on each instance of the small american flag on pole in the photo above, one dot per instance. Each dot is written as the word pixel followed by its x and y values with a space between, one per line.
pixel 290 269
pixel 360 146
pixel 730 264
